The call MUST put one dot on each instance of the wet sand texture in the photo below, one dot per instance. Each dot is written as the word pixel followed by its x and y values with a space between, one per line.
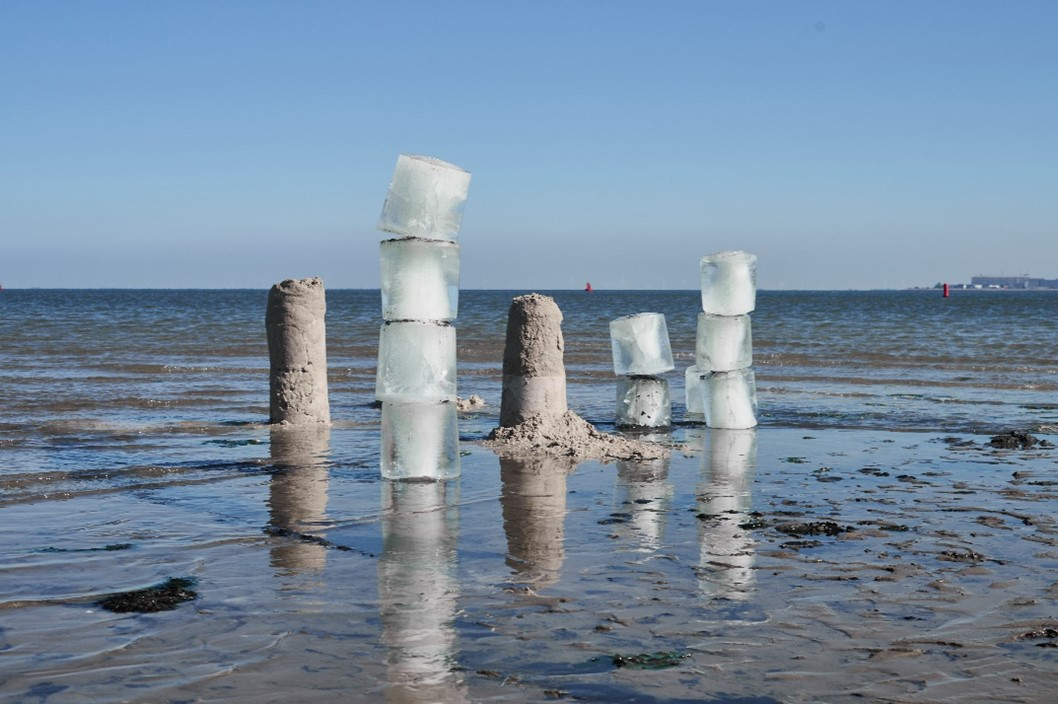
pixel 297 351
pixel 534 376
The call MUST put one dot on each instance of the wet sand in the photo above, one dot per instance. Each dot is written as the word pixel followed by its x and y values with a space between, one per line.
pixel 775 565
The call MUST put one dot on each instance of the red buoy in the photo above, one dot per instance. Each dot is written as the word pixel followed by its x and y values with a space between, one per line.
pixel 946 294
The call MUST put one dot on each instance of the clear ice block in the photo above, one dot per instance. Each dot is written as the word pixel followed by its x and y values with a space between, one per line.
pixel 643 402
pixel 640 345
pixel 425 199
pixel 420 279
pixel 724 343
pixel 731 399
pixel 420 441
pixel 694 394
pixel 416 362
pixel 729 283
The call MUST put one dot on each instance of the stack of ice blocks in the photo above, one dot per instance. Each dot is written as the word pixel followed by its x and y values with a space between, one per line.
pixel 641 352
pixel 721 385
pixel 416 378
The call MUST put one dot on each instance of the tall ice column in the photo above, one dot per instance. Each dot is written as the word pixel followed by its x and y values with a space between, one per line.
pixel 297 352
pixel 416 377
pixel 724 343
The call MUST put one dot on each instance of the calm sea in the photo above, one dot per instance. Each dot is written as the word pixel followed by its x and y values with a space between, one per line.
pixel 93 381
pixel 154 361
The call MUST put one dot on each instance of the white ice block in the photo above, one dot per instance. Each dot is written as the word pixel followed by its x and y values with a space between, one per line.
pixel 729 283
pixel 643 402
pixel 640 345
pixel 724 343
pixel 420 441
pixel 420 279
pixel 416 362
pixel 425 198
pixel 694 393
pixel 730 399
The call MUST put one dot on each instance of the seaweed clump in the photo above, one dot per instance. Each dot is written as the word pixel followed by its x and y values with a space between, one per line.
pixel 1016 440
pixel 160 597
pixel 649 661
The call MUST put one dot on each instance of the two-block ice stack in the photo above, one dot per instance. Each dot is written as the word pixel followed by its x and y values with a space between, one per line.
pixel 641 352
pixel 721 385
pixel 416 377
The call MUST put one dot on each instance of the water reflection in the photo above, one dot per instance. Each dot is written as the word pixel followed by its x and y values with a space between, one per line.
pixel 533 501
pixel 417 590
pixel 643 496
pixel 694 438
pixel 724 498
pixel 297 498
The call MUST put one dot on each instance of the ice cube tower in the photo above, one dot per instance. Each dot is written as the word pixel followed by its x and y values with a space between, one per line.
pixel 724 344
pixel 641 352
pixel 416 374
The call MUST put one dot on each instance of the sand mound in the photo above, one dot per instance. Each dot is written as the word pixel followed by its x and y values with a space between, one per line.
pixel 570 435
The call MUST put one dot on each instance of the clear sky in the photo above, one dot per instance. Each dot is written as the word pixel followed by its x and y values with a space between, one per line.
pixel 228 143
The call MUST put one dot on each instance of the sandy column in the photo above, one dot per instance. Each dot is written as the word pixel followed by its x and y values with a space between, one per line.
pixel 297 352
pixel 534 376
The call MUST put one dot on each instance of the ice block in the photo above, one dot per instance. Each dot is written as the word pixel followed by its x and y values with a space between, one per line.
pixel 729 283
pixel 420 279
pixel 730 399
pixel 425 199
pixel 694 393
pixel 416 362
pixel 643 402
pixel 640 345
pixel 724 343
pixel 420 440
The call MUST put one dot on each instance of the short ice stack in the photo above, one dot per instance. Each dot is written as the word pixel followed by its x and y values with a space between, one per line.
pixel 721 386
pixel 416 378
pixel 641 352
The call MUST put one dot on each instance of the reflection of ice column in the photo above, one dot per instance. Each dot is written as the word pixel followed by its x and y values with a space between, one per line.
pixel 644 491
pixel 724 344
pixel 534 514
pixel 725 496
pixel 297 499
pixel 416 376
pixel 641 351
pixel 418 591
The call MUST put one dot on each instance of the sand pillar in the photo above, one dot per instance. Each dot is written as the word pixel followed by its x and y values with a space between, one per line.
pixel 297 351
pixel 534 375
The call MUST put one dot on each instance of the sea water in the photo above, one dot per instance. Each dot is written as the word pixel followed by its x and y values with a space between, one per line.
pixel 134 447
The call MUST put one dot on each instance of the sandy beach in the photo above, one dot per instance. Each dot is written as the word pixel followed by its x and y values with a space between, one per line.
pixel 749 566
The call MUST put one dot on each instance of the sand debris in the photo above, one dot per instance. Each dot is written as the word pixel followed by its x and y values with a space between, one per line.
pixel 571 435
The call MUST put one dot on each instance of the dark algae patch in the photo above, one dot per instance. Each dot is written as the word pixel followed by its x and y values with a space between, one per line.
pixel 106 548
pixel 649 661
pixel 1017 440
pixel 813 528
pixel 160 597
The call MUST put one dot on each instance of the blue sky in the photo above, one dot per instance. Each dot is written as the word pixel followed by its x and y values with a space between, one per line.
pixel 235 144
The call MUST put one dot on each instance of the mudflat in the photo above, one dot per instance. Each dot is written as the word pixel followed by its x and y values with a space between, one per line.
pixel 747 566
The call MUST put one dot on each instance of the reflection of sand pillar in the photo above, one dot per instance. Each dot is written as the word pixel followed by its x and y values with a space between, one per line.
pixel 534 376
pixel 534 514
pixel 297 497
pixel 726 495
pixel 297 351
pixel 643 490
pixel 417 591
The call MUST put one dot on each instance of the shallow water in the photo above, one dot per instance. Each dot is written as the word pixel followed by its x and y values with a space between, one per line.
pixel 132 449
